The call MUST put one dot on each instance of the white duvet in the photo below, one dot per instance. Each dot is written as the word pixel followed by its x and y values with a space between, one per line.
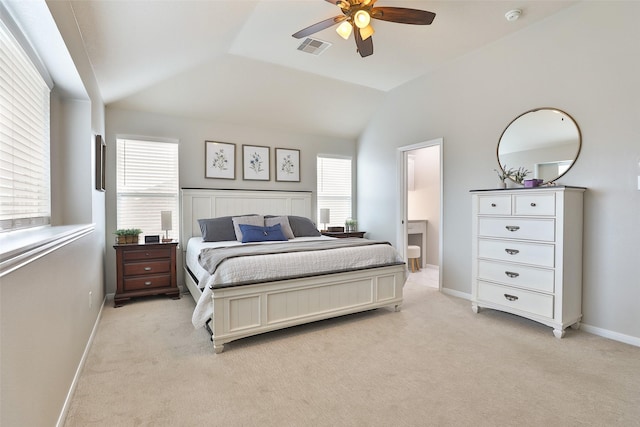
pixel 261 267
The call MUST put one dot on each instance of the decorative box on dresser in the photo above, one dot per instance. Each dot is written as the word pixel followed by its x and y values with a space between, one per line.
pixel 527 253
pixel 146 269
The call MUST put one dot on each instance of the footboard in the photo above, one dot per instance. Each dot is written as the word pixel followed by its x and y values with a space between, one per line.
pixel 250 310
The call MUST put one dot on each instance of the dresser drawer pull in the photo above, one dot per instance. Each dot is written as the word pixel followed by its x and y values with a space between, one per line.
pixel 511 274
pixel 512 251
pixel 146 254
pixel 533 205
pixel 147 269
pixel 512 227
pixel 147 283
pixel 511 297
pixel 493 205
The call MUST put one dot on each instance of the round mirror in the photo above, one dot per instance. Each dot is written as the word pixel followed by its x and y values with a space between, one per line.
pixel 545 142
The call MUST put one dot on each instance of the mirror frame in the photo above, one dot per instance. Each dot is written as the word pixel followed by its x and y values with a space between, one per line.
pixel 531 111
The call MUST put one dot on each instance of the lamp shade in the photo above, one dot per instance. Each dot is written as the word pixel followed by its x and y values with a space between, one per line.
pixel 165 217
pixel 325 216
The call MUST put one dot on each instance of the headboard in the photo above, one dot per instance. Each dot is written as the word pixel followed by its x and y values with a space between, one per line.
pixel 203 203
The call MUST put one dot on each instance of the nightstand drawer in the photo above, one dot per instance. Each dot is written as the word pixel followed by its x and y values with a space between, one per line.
pixel 150 267
pixel 527 253
pixel 536 279
pixel 518 228
pixel 517 299
pixel 147 254
pixel 147 282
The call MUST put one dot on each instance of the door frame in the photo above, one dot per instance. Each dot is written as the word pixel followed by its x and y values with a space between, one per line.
pixel 402 156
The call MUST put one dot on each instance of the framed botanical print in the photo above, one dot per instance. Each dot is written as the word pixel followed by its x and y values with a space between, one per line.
pixel 287 165
pixel 255 163
pixel 220 160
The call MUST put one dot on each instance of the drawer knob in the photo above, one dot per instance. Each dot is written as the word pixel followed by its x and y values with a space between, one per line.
pixel 146 254
pixel 512 227
pixel 512 251
pixel 511 274
pixel 147 269
pixel 147 283
pixel 533 205
pixel 511 297
pixel 493 205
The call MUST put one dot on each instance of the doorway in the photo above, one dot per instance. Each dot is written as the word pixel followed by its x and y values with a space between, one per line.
pixel 420 178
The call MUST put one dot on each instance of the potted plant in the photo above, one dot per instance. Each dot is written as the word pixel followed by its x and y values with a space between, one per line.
pixel 502 176
pixel 127 235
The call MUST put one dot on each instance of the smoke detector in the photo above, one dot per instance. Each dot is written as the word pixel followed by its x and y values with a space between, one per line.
pixel 513 15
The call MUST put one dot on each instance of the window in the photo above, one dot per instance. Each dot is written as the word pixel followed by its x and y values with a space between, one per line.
pixel 334 188
pixel 25 197
pixel 147 184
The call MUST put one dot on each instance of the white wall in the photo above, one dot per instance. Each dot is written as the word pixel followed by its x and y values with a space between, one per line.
pixel 191 135
pixel 585 61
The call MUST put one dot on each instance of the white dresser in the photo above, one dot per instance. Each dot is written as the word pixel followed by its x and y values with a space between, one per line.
pixel 527 254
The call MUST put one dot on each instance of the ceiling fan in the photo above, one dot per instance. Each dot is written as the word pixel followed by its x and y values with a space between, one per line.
pixel 356 16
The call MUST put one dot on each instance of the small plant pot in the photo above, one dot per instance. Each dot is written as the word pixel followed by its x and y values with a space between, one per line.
pixel 121 240
pixel 132 239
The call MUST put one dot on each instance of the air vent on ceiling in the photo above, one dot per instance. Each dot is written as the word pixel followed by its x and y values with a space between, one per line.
pixel 313 46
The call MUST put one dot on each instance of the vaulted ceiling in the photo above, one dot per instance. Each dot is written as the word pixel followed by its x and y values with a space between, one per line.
pixel 236 61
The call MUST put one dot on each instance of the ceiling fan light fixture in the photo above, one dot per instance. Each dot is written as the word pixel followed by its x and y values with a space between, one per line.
pixel 344 29
pixel 366 32
pixel 361 18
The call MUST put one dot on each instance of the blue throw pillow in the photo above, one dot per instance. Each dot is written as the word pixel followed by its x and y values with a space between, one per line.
pixel 254 233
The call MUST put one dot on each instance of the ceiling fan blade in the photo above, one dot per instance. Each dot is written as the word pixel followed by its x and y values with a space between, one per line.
pixel 365 47
pixel 319 26
pixel 403 15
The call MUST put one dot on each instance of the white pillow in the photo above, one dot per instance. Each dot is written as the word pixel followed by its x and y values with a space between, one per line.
pixel 257 220
pixel 284 224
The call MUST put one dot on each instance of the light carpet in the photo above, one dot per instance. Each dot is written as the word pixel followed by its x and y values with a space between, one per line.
pixel 435 363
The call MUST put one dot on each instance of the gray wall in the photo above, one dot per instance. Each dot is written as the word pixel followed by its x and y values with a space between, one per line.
pixel 48 308
pixel 585 61
pixel 191 135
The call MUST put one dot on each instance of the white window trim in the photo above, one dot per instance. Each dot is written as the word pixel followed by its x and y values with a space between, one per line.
pixel 22 247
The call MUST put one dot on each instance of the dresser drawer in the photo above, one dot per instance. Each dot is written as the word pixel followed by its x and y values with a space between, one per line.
pixel 534 204
pixel 494 205
pixel 518 228
pixel 147 254
pixel 536 279
pixel 517 299
pixel 150 267
pixel 539 254
pixel 147 282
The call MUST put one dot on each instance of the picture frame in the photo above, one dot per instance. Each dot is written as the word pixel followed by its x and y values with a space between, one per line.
pixel 101 162
pixel 287 165
pixel 219 160
pixel 255 163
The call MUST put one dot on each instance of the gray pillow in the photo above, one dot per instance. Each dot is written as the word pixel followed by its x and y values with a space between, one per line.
pixel 303 227
pixel 284 224
pixel 257 220
pixel 217 229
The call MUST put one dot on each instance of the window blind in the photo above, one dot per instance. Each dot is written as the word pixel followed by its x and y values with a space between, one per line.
pixel 147 184
pixel 24 139
pixel 334 188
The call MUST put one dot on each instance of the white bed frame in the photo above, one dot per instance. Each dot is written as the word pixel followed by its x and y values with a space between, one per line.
pixel 248 310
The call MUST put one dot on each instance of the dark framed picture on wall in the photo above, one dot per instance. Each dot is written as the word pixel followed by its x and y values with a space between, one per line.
pixel 220 160
pixel 101 159
pixel 287 165
pixel 255 163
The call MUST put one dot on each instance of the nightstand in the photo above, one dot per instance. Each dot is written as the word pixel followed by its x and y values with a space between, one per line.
pixel 343 234
pixel 145 269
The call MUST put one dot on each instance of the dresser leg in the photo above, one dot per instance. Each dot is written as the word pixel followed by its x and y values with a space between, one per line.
pixel 559 333
pixel 475 307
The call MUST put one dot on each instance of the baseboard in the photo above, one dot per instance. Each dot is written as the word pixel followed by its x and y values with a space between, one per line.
pixel 455 293
pixel 65 408
pixel 605 333
pixel 433 266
